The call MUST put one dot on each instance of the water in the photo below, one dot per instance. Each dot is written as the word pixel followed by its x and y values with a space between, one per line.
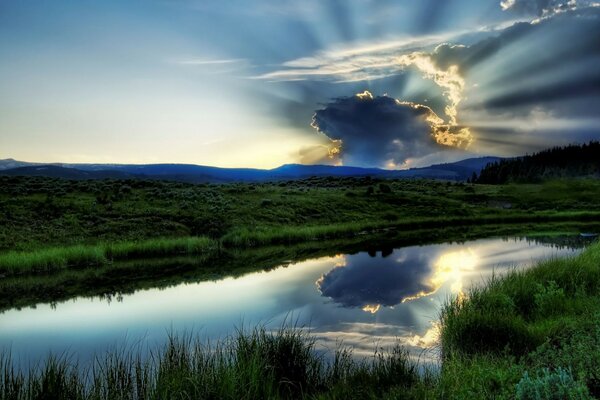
pixel 363 300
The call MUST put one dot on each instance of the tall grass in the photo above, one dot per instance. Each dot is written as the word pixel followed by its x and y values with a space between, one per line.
pixel 51 259
pixel 159 247
pixel 512 312
pixel 81 256
pixel 250 365
pixel 244 237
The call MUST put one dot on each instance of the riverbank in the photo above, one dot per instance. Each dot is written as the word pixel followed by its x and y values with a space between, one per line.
pixel 530 334
pixel 77 257
pixel 178 261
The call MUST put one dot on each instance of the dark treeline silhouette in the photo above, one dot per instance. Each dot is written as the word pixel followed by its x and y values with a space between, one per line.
pixel 557 162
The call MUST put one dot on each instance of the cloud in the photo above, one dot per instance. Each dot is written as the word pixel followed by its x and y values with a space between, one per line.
pixel 383 131
pixel 448 79
pixel 366 61
pixel 544 8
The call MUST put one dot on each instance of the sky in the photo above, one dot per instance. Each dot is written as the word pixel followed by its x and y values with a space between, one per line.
pixel 261 83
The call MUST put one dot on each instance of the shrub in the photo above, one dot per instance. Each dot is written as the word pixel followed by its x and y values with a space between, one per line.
pixel 551 385
pixel 385 188
pixel 549 299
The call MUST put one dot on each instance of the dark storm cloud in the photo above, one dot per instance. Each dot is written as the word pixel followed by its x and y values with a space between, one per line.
pixel 376 130
pixel 367 281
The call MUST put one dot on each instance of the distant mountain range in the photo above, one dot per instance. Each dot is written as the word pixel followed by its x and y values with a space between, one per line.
pixel 459 171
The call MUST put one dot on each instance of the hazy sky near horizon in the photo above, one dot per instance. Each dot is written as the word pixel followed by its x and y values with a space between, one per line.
pixel 262 83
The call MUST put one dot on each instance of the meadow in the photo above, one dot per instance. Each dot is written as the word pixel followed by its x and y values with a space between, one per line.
pixel 37 214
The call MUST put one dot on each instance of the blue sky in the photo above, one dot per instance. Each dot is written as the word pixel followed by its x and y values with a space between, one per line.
pixel 263 83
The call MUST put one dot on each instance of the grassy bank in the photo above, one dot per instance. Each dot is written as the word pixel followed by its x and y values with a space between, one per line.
pixel 532 334
pixel 118 277
pixel 85 256
pixel 53 259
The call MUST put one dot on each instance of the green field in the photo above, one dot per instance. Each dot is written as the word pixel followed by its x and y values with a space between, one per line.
pixel 42 213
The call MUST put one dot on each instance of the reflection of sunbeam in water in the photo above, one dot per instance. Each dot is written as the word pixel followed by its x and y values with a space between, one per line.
pixel 429 339
pixel 450 267
pixel 371 285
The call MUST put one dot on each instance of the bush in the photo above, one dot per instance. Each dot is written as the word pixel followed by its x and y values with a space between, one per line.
pixel 384 188
pixel 549 299
pixel 551 385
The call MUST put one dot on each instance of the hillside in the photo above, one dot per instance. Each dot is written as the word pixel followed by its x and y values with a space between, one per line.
pixel 558 162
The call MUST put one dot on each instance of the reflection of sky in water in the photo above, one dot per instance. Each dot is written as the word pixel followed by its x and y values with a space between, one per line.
pixel 358 299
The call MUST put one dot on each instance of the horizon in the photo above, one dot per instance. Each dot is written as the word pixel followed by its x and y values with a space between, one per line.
pixel 60 163
pixel 367 83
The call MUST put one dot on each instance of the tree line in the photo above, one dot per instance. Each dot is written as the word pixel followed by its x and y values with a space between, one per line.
pixel 557 162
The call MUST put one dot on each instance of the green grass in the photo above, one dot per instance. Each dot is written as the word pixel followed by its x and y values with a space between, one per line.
pixel 539 326
pixel 37 213
pixel 250 365
pixel 51 259
pixel 85 256
pixel 45 260
pixel 159 247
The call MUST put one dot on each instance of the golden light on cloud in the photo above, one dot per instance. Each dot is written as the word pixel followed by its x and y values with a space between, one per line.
pixel 449 80
pixel 365 95
pixel 452 84
pixel 452 266
pixel 334 149
pixel 371 308
pixel 339 261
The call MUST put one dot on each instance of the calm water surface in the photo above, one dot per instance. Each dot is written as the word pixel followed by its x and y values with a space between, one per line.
pixel 364 300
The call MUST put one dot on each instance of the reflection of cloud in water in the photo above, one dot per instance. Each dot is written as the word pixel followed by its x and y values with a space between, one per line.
pixel 369 283
pixel 366 338
pixel 365 282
